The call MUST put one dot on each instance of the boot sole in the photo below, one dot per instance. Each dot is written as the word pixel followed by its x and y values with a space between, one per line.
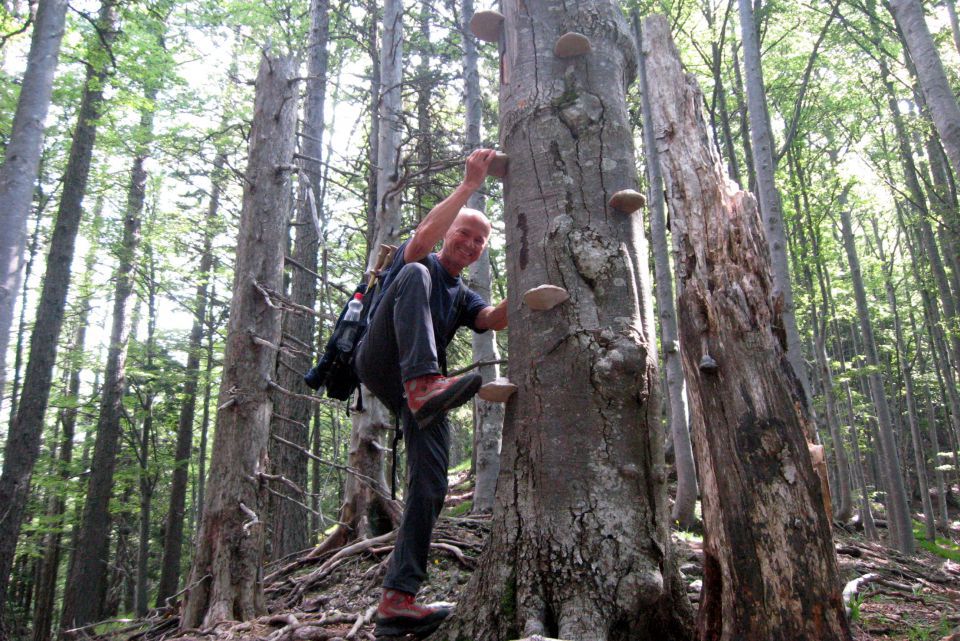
pixel 388 629
pixel 435 408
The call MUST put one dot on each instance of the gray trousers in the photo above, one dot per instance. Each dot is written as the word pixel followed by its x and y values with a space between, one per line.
pixel 399 345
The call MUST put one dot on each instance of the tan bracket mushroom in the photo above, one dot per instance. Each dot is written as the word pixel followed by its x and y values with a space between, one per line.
pixel 571 45
pixel 498 166
pixel 627 201
pixel 545 297
pixel 497 391
pixel 487 25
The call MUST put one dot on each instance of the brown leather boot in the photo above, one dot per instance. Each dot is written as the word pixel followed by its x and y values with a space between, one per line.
pixel 399 614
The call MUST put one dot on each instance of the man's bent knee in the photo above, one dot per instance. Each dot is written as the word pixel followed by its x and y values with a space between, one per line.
pixel 414 272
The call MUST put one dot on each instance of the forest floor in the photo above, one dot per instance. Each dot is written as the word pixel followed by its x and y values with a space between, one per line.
pixel 334 598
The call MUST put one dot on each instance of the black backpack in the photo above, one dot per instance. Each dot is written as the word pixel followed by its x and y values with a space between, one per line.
pixel 335 370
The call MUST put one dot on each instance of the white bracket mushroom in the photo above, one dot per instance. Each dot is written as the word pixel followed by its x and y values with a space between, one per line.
pixel 571 45
pixel 487 25
pixel 545 297
pixel 497 391
pixel 627 201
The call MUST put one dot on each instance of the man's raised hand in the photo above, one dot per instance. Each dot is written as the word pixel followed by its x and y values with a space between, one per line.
pixel 478 163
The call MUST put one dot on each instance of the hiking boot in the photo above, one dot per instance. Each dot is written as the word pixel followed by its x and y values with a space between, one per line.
pixel 432 395
pixel 399 614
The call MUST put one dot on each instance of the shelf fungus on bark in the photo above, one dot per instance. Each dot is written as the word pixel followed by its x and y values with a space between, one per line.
pixel 571 45
pixel 487 25
pixel 545 297
pixel 708 364
pixel 627 201
pixel 498 166
pixel 499 390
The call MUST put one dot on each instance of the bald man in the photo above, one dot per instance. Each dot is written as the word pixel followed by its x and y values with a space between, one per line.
pixel 402 359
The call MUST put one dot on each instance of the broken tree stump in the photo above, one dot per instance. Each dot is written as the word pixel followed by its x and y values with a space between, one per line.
pixel 770 571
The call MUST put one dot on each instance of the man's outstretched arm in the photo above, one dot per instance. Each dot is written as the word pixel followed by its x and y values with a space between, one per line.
pixel 494 318
pixel 432 228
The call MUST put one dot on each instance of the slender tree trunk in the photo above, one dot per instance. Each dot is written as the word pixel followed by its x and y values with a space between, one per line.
pixel 173 531
pixel 487 417
pixel 22 323
pixel 686 499
pixel 18 174
pixel 940 98
pixel 954 23
pixel 746 406
pixel 50 566
pixel 225 578
pixel 897 506
pixel 87 581
pixel 147 483
pixel 943 513
pixel 289 521
pixel 205 412
pixel 769 200
pixel 580 547
pixel 23 440
pixel 744 120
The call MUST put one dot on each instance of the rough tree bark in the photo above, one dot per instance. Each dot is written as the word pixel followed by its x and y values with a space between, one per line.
pixel 898 509
pixel 933 79
pixel 686 498
pixel 769 201
pixel 487 417
pixel 224 581
pixel 580 547
pixel 23 441
pixel 18 174
pixel 770 571
pixel 289 522
pixel 87 581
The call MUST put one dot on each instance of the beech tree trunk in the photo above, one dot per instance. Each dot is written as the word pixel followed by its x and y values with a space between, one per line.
pixel 87 581
pixel 933 79
pixel 770 571
pixel 224 582
pixel 580 547
pixel 18 175
pixel 289 520
pixel 769 200
pixel 487 417
pixel 23 440
pixel 898 517
pixel 686 499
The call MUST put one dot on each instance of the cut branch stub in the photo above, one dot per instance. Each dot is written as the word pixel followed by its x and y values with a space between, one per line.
pixel 498 166
pixel 627 201
pixel 497 391
pixel 545 297
pixel 487 25
pixel 572 44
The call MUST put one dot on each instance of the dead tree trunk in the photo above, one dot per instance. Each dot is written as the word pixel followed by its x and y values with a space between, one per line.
pixel 21 162
pixel 686 499
pixel 289 521
pixel 580 547
pixel 487 417
pixel 224 582
pixel 770 571
pixel 769 200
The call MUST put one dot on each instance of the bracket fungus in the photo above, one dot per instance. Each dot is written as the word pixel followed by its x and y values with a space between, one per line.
pixel 545 297
pixel 498 166
pixel 571 45
pixel 497 391
pixel 708 365
pixel 487 25
pixel 627 201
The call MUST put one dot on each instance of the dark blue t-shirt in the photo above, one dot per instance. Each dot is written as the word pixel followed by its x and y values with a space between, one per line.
pixel 448 317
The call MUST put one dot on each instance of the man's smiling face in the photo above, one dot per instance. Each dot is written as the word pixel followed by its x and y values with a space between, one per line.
pixel 464 241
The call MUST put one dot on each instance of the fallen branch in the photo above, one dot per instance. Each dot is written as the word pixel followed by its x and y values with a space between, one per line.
pixel 362 620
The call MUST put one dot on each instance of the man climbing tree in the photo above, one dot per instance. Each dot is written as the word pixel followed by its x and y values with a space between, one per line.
pixel 402 355
pixel 580 546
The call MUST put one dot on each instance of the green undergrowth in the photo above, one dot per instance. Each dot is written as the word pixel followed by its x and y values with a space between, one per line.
pixel 944 548
pixel 461 509
pixel 463 466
